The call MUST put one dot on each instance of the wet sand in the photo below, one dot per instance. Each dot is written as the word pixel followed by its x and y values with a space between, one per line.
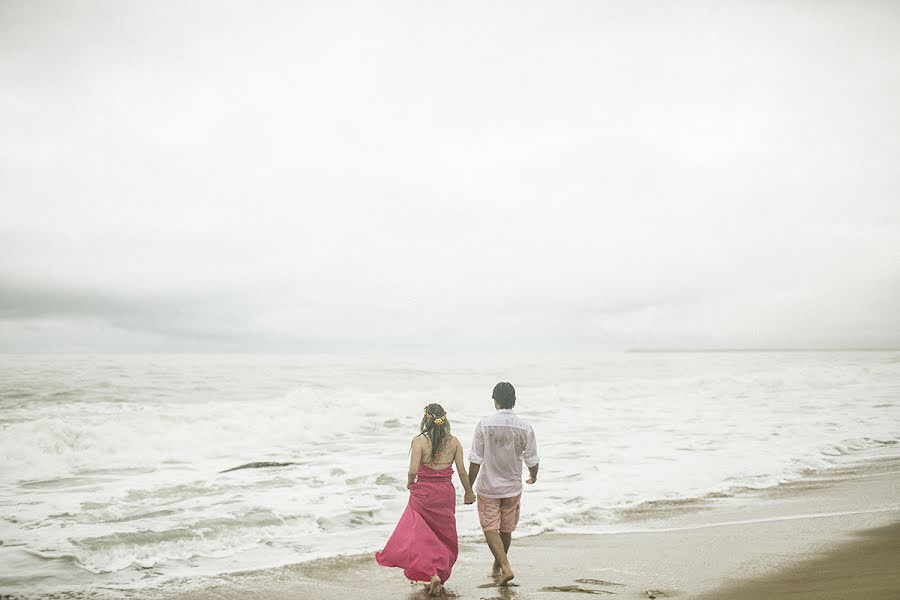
pixel 867 567
pixel 835 537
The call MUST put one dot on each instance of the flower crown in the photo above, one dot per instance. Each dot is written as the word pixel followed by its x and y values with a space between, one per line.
pixel 436 420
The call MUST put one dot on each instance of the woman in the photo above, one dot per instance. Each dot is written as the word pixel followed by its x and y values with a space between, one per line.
pixel 424 542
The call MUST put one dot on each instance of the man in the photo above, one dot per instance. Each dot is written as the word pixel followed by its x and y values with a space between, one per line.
pixel 502 441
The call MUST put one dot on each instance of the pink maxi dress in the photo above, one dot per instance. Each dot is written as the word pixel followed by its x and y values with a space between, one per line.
pixel 424 543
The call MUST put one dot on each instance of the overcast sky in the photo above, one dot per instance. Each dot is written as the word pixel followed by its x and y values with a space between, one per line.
pixel 294 176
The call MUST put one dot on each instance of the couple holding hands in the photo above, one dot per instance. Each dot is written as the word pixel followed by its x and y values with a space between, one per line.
pixel 424 543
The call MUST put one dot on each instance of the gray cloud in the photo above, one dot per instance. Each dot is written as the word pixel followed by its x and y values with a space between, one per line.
pixel 221 176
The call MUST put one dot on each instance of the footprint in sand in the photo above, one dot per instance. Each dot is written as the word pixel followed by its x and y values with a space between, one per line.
pixel 573 588
pixel 497 585
pixel 580 590
pixel 598 582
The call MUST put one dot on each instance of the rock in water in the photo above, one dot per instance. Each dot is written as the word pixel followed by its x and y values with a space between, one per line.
pixel 259 465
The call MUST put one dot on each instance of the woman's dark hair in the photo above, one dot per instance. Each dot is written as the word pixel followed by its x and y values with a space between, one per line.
pixel 504 395
pixel 435 427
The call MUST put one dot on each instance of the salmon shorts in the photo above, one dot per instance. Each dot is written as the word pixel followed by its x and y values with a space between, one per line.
pixel 498 514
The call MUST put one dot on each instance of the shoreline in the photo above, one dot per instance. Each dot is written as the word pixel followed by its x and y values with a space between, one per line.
pixel 776 537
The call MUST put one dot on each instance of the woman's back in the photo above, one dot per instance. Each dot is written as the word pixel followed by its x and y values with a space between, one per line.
pixel 443 458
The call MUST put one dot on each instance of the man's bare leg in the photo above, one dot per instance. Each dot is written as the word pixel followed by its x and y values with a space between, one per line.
pixel 507 540
pixel 495 543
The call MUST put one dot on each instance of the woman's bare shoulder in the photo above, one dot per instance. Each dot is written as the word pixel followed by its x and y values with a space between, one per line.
pixel 419 440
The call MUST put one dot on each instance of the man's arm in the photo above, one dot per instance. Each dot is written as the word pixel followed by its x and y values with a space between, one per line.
pixel 532 474
pixel 473 471
pixel 476 454
pixel 530 455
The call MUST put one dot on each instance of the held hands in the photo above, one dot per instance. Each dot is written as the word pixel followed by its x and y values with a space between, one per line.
pixel 470 498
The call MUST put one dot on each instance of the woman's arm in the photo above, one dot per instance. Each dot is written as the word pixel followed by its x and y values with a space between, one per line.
pixel 415 457
pixel 463 476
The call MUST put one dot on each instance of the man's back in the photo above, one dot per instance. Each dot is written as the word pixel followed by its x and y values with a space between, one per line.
pixel 500 444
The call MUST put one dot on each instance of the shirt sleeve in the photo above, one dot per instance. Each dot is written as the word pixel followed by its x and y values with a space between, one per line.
pixel 476 454
pixel 530 454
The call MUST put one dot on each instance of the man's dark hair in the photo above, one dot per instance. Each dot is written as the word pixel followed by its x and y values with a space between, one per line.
pixel 504 395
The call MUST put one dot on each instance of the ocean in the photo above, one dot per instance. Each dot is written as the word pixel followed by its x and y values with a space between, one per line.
pixel 114 469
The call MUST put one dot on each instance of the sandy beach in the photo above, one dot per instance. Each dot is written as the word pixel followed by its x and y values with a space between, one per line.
pixel 827 536
pixel 863 567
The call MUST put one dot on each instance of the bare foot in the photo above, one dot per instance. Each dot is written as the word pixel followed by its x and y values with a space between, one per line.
pixel 505 577
pixel 495 571
pixel 434 587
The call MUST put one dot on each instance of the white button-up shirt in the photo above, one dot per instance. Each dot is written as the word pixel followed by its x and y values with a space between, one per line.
pixel 502 441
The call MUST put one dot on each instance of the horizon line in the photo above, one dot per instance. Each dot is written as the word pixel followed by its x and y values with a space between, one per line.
pixel 722 350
